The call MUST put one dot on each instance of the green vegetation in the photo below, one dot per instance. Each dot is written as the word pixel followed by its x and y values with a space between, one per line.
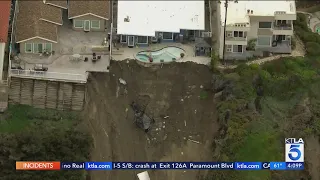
pixel 30 134
pixel 266 104
pixel 214 61
pixel 310 39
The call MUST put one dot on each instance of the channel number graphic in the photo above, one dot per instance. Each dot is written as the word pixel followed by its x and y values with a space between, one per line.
pixel 294 150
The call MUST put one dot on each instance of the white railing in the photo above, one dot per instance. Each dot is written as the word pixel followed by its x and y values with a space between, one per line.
pixel 206 34
pixel 48 75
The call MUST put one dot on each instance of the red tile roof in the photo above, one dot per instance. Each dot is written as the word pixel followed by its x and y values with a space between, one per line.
pixel 5 7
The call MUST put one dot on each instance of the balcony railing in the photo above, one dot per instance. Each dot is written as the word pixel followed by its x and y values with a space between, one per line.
pixel 82 78
pixel 236 39
pixel 283 27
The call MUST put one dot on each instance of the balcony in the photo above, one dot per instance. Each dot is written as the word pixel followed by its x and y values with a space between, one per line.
pixel 283 29
pixel 236 40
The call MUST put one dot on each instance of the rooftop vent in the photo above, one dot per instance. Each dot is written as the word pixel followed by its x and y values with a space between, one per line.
pixel 127 19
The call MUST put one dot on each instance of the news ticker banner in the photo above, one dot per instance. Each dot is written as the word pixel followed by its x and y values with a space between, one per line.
pixel 44 165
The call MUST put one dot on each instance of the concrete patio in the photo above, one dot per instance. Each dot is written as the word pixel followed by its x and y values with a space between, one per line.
pixel 129 53
pixel 62 64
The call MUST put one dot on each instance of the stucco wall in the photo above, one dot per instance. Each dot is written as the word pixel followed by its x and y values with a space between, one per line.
pixel 253 33
pixel 103 23
pixel 36 40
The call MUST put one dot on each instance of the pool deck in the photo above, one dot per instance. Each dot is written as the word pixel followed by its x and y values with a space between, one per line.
pixel 129 53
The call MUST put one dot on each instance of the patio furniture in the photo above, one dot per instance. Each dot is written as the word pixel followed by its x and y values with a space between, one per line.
pixel 99 57
pixel 40 67
pixel 76 57
pixel 86 59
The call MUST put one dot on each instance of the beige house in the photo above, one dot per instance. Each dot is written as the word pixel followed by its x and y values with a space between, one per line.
pixel 255 27
pixel 89 15
pixel 36 26
pixel 38 22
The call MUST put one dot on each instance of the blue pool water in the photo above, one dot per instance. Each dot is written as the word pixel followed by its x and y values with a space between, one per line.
pixel 166 54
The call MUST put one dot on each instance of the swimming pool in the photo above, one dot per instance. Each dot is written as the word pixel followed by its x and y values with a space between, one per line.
pixel 167 54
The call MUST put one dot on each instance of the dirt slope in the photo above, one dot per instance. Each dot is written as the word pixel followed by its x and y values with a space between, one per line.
pixel 173 90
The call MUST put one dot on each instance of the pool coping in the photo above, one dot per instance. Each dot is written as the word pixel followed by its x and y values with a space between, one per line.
pixel 147 62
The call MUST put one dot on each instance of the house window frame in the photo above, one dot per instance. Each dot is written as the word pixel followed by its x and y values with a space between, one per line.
pixel 145 42
pixel 25 47
pixel 45 47
pixel 74 23
pixel 238 34
pixel 265 27
pixel 237 48
pixel 166 38
pixel 123 38
pixel 228 48
pixel 270 42
pixel 96 27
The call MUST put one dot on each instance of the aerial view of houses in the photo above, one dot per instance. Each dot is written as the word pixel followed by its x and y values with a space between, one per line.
pixel 158 81
pixel 253 27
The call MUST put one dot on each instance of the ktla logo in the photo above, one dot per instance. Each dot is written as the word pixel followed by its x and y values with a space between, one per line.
pixel 294 150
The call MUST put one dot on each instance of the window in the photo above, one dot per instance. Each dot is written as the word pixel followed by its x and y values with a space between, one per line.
pixel 265 24
pixel 238 33
pixel 95 24
pixel 48 47
pixel 229 34
pixel 78 23
pixel 143 39
pixel 280 22
pixel 237 48
pixel 28 47
pixel 167 35
pixel 228 48
pixel 35 48
pixel 264 41
pixel 123 39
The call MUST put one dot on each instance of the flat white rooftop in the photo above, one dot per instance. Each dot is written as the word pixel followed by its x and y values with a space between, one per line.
pixel 147 17
pixel 238 12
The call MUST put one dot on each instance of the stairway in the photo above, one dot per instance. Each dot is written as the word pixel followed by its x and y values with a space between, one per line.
pixel 14 92
pixel 39 94
pixel 78 97
pixel 52 94
pixel 26 91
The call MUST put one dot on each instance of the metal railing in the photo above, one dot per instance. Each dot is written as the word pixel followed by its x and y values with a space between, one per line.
pixel 48 75
pixel 283 27
pixel 236 39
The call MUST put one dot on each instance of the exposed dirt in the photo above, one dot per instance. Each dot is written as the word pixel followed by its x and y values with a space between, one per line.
pixel 176 90
pixel 312 154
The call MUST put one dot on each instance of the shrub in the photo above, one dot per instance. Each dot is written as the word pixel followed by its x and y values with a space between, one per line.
pixel 313 48
pixel 293 43
pixel 251 45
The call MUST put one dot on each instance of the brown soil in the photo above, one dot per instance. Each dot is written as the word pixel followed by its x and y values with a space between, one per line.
pixel 312 154
pixel 173 90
